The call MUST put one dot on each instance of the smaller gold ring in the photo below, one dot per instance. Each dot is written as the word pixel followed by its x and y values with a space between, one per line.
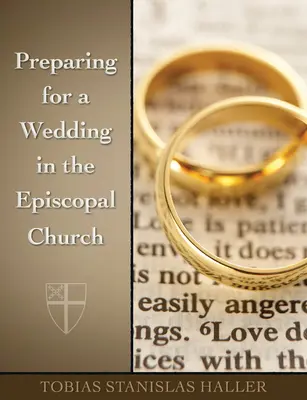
pixel 277 112
pixel 252 61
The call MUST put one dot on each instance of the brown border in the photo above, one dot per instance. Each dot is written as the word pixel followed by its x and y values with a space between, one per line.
pixel 217 386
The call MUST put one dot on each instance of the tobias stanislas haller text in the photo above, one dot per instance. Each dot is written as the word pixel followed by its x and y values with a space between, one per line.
pixel 44 235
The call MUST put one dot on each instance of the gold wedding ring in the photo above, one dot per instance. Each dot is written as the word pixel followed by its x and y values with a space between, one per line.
pixel 275 112
pixel 264 66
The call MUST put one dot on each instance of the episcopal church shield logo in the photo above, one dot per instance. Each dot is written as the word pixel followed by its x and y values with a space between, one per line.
pixel 66 304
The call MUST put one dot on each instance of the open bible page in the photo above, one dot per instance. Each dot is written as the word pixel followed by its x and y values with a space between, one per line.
pixel 183 321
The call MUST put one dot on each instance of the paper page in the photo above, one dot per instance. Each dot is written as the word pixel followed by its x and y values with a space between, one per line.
pixel 184 322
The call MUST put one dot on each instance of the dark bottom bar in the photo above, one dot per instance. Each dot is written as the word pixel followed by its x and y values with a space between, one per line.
pixel 60 386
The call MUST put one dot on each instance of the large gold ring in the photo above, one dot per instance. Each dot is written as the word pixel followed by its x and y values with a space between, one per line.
pixel 278 113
